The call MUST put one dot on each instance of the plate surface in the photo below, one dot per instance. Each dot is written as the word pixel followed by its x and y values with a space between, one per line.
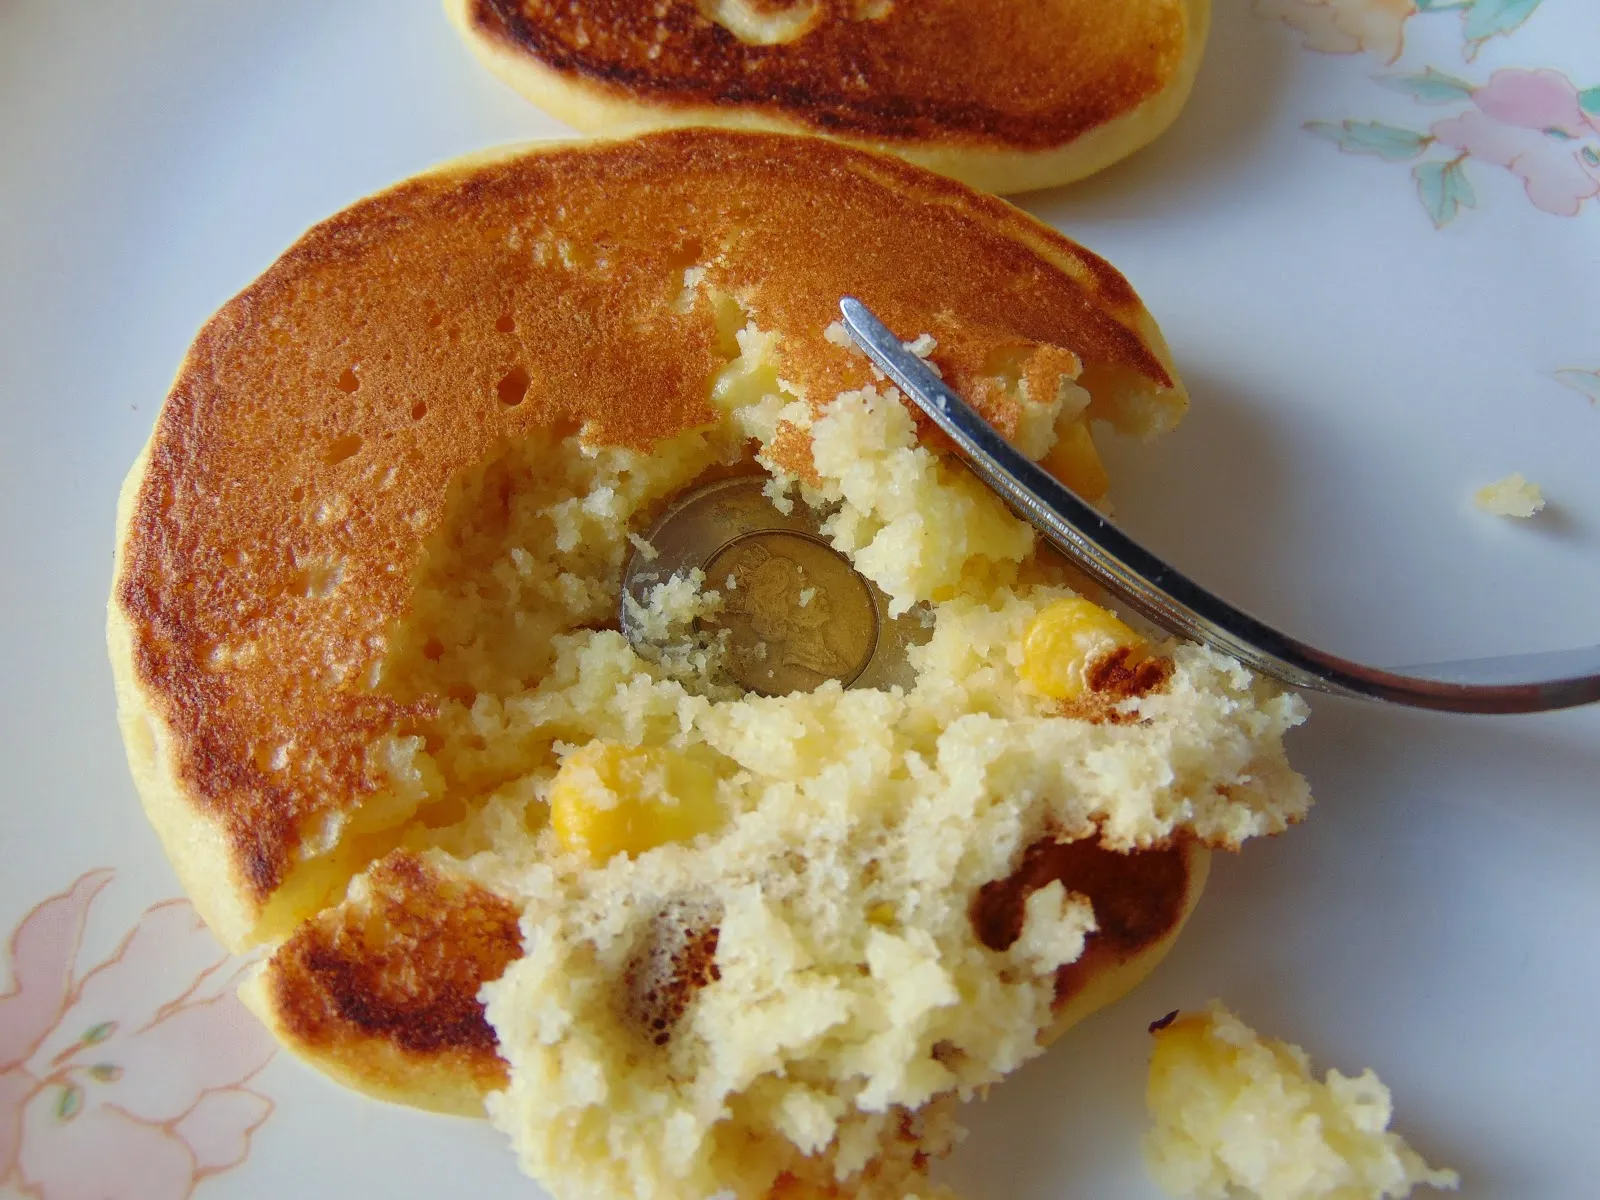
pixel 1374 242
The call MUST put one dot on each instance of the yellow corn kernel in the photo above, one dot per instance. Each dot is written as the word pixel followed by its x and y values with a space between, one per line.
pixel 1075 461
pixel 881 914
pixel 609 799
pixel 1065 639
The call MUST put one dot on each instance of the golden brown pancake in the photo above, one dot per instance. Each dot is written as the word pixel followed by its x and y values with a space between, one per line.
pixel 1006 95
pixel 382 991
pixel 364 634
pixel 271 527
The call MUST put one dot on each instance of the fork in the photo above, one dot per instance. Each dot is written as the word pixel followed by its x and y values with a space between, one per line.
pixel 1522 683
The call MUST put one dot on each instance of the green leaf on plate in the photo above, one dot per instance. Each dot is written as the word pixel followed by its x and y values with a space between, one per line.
pixel 1431 87
pixel 69 1103
pixel 105 1072
pixel 1589 101
pixel 98 1033
pixel 1491 18
pixel 1388 142
pixel 1585 383
pixel 1590 157
pixel 1444 190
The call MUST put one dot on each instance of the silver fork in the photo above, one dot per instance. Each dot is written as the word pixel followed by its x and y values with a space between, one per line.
pixel 1509 684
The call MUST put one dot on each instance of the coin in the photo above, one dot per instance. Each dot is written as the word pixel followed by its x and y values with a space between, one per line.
pixel 795 612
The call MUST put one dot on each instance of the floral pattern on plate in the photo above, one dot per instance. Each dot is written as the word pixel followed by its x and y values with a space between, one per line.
pixel 1538 124
pixel 127 1079
pixel 1378 27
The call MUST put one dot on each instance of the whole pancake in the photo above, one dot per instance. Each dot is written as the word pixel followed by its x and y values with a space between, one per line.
pixel 346 470
pixel 1007 95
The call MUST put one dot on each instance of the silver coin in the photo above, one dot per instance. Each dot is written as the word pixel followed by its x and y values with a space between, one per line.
pixel 795 612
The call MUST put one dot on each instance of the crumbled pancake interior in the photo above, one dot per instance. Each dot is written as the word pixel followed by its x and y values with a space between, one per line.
pixel 1513 496
pixel 1237 1114
pixel 750 955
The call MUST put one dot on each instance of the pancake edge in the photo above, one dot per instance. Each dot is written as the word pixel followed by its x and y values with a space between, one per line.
pixel 379 1070
pixel 1112 984
pixel 196 844
pixel 592 107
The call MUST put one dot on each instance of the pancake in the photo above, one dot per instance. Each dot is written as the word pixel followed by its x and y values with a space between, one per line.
pixel 1004 95
pixel 364 630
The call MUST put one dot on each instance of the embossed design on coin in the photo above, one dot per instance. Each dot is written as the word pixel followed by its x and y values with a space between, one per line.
pixel 796 613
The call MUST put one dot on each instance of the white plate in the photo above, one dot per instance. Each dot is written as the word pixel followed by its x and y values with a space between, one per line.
pixel 1356 373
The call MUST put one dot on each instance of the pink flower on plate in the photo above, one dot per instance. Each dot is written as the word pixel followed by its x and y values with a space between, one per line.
pixel 1544 100
pixel 1533 124
pixel 1375 27
pixel 127 1080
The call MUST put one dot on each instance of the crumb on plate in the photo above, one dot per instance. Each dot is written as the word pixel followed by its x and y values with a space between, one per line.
pixel 1512 496
pixel 1239 1115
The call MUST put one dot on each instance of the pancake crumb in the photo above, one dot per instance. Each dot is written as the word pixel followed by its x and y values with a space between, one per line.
pixel 834 840
pixel 1512 496
pixel 1238 1115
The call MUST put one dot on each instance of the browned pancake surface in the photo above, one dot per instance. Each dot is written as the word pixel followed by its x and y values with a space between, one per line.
pixel 386 990
pixel 307 447
pixel 1018 73
pixel 1139 899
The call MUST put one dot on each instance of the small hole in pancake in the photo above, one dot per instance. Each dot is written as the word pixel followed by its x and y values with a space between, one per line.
pixel 513 386
pixel 298 494
pixel 418 411
pixel 315 580
pixel 348 382
pixel 689 253
pixel 505 323
pixel 341 448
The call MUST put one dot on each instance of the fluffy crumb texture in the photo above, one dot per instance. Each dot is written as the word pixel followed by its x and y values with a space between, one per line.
pixel 1240 1115
pixel 751 951
pixel 1512 496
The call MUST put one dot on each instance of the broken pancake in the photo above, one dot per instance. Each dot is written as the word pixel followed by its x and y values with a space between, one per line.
pixel 378 705
pixel 1001 94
